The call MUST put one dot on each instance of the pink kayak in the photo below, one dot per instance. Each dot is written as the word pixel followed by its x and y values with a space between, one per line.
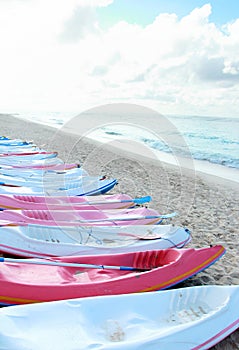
pixel 138 216
pixel 116 201
pixel 25 281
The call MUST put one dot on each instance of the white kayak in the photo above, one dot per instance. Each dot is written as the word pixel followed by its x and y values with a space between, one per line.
pixel 88 187
pixel 185 318
pixel 49 182
pixel 20 149
pixel 41 174
pixel 42 241
pixel 23 161
pixel 14 143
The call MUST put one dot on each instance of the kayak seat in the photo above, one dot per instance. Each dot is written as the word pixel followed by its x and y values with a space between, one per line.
pixel 26 198
pixel 148 259
pixel 37 214
pixel 154 258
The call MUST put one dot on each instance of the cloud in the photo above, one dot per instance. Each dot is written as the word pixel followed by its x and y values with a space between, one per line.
pixel 217 70
pixel 82 22
pixel 55 55
pixel 100 70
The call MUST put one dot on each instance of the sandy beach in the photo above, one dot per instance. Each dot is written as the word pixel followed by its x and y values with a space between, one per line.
pixel 207 205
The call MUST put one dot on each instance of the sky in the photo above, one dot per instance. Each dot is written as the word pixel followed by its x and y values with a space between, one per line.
pixel 176 57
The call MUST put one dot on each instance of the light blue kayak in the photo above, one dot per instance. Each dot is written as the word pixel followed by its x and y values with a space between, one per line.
pixel 88 186
pixel 190 318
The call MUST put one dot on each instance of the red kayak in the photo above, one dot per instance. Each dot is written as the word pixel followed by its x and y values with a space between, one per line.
pixel 25 281
pixel 30 153
pixel 56 167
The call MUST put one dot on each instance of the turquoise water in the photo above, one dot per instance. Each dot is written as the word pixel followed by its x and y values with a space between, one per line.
pixel 211 139
pixel 215 140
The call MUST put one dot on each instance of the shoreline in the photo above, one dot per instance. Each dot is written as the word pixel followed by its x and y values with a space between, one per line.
pixel 203 168
pixel 207 205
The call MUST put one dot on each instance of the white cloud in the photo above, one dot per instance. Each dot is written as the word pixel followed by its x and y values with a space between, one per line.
pixel 94 3
pixel 54 55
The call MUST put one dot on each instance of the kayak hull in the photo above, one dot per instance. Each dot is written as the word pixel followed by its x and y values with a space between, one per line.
pixel 102 202
pixel 24 283
pixel 189 318
pixel 94 187
pixel 42 241
pixel 117 217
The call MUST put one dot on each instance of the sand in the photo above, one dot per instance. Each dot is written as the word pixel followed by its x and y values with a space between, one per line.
pixel 206 205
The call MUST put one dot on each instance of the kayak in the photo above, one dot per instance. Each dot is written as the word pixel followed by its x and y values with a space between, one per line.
pixel 101 202
pixel 25 281
pixel 51 182
pixel 42 241
pixel 42 166
pixel 117 217
pixel 43 174
pixel 90 186
pixel 27 155
pixel 37 160
pixel 20 149
pixel 191 318
pixel 14 142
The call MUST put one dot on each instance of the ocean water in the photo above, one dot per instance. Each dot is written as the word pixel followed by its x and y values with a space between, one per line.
pixel 213 142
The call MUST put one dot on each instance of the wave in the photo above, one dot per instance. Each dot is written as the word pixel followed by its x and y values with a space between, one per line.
pixel 194 152
pixel 113 133
pixel 212 139
pixel 205 118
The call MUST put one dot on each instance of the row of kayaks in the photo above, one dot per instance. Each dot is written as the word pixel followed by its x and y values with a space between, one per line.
pixel 90 264
pixel 28 170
